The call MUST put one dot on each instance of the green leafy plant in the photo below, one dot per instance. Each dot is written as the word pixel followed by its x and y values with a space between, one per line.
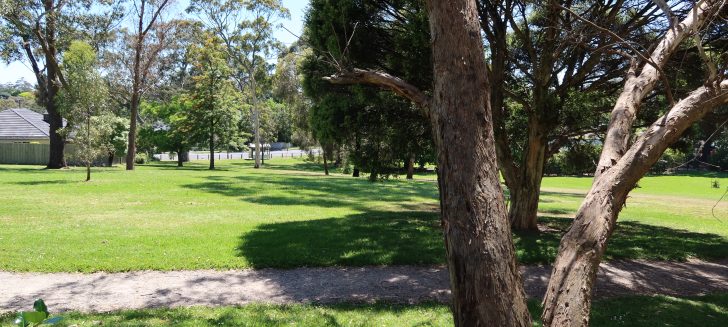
pixel 37 317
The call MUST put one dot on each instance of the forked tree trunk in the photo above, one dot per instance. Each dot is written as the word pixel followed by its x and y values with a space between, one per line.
pixel 568 296
pixel 484 277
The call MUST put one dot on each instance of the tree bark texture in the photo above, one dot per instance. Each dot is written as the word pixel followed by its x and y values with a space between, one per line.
pixel 568 296
pixel 484 277
pixel 410 167
pixel 526 191
pixel 639 85
pixel 135 93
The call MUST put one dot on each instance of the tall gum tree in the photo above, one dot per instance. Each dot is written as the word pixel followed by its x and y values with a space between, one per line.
pixel 148 14
pixel 32 31
pixel 469 215
pixel 246 29
pixel 484 278
pixel 539 65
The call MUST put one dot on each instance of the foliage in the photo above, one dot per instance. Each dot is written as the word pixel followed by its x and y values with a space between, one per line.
pixel 377 130
pixel 246 31
pixel 37 317
pixel 88 20
pixel 577 158
pixel 170 129
pixel 141 158
pixel 214 115
pixel 83 103
pixel 288 89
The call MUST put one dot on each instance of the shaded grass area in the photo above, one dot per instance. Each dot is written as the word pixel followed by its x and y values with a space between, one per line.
pixel 288 214
pixel 631 240
pixel 706 311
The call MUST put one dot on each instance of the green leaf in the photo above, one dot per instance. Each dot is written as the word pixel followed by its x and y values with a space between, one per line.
pixel 31 317
pixel 20 320
pixel 40 306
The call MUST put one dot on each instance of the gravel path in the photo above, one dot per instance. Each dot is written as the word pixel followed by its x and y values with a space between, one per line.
pixel 112 291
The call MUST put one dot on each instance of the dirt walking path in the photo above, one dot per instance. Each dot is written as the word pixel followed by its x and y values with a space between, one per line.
pixel 100 292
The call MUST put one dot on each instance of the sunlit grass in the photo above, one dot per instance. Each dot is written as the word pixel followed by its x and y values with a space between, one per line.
pixel 288 215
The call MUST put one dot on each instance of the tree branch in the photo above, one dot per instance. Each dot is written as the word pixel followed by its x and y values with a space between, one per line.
pixel 637 86
pixel 386 81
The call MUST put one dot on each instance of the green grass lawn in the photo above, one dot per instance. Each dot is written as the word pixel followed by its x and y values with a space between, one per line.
pixel 288 214
pixel 703 311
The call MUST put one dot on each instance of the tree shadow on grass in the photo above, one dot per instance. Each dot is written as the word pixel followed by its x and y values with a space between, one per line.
pixel 372 238
pixel 50 182
pixel 308 166
pixel 709 310
pixel 273 189
pixel 187 166
pixel 631 240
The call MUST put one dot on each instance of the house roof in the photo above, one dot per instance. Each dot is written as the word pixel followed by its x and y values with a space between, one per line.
pixel 22 124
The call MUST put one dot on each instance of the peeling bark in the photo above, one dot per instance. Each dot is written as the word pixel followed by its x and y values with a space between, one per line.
pixel 568 296
pixel 484 278
pixel 637 86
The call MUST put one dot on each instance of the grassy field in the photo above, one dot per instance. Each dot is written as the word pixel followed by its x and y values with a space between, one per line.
pixel 288 214
pixel 706 311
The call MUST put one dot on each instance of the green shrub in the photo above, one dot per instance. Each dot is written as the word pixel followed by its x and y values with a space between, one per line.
pixel 141 158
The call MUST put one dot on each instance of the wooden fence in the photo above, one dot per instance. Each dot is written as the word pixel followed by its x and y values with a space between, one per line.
pixel 27 153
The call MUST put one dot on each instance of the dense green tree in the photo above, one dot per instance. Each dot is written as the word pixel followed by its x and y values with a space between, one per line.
pixel 246 29
pixel 169 129
pixel 288 89
pixel 214 113
pixel 38 32
pixel 376 130
pixel 83 103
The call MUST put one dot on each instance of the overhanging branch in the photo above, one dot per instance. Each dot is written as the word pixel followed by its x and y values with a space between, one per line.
pixel 386 81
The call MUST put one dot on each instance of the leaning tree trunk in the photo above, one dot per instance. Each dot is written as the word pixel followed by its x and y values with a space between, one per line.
pixel 568 296
pixel 484 277
pixel 55 121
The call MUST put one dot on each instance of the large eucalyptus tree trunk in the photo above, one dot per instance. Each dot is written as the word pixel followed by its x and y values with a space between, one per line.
pixel 55 121
pixel 484 277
